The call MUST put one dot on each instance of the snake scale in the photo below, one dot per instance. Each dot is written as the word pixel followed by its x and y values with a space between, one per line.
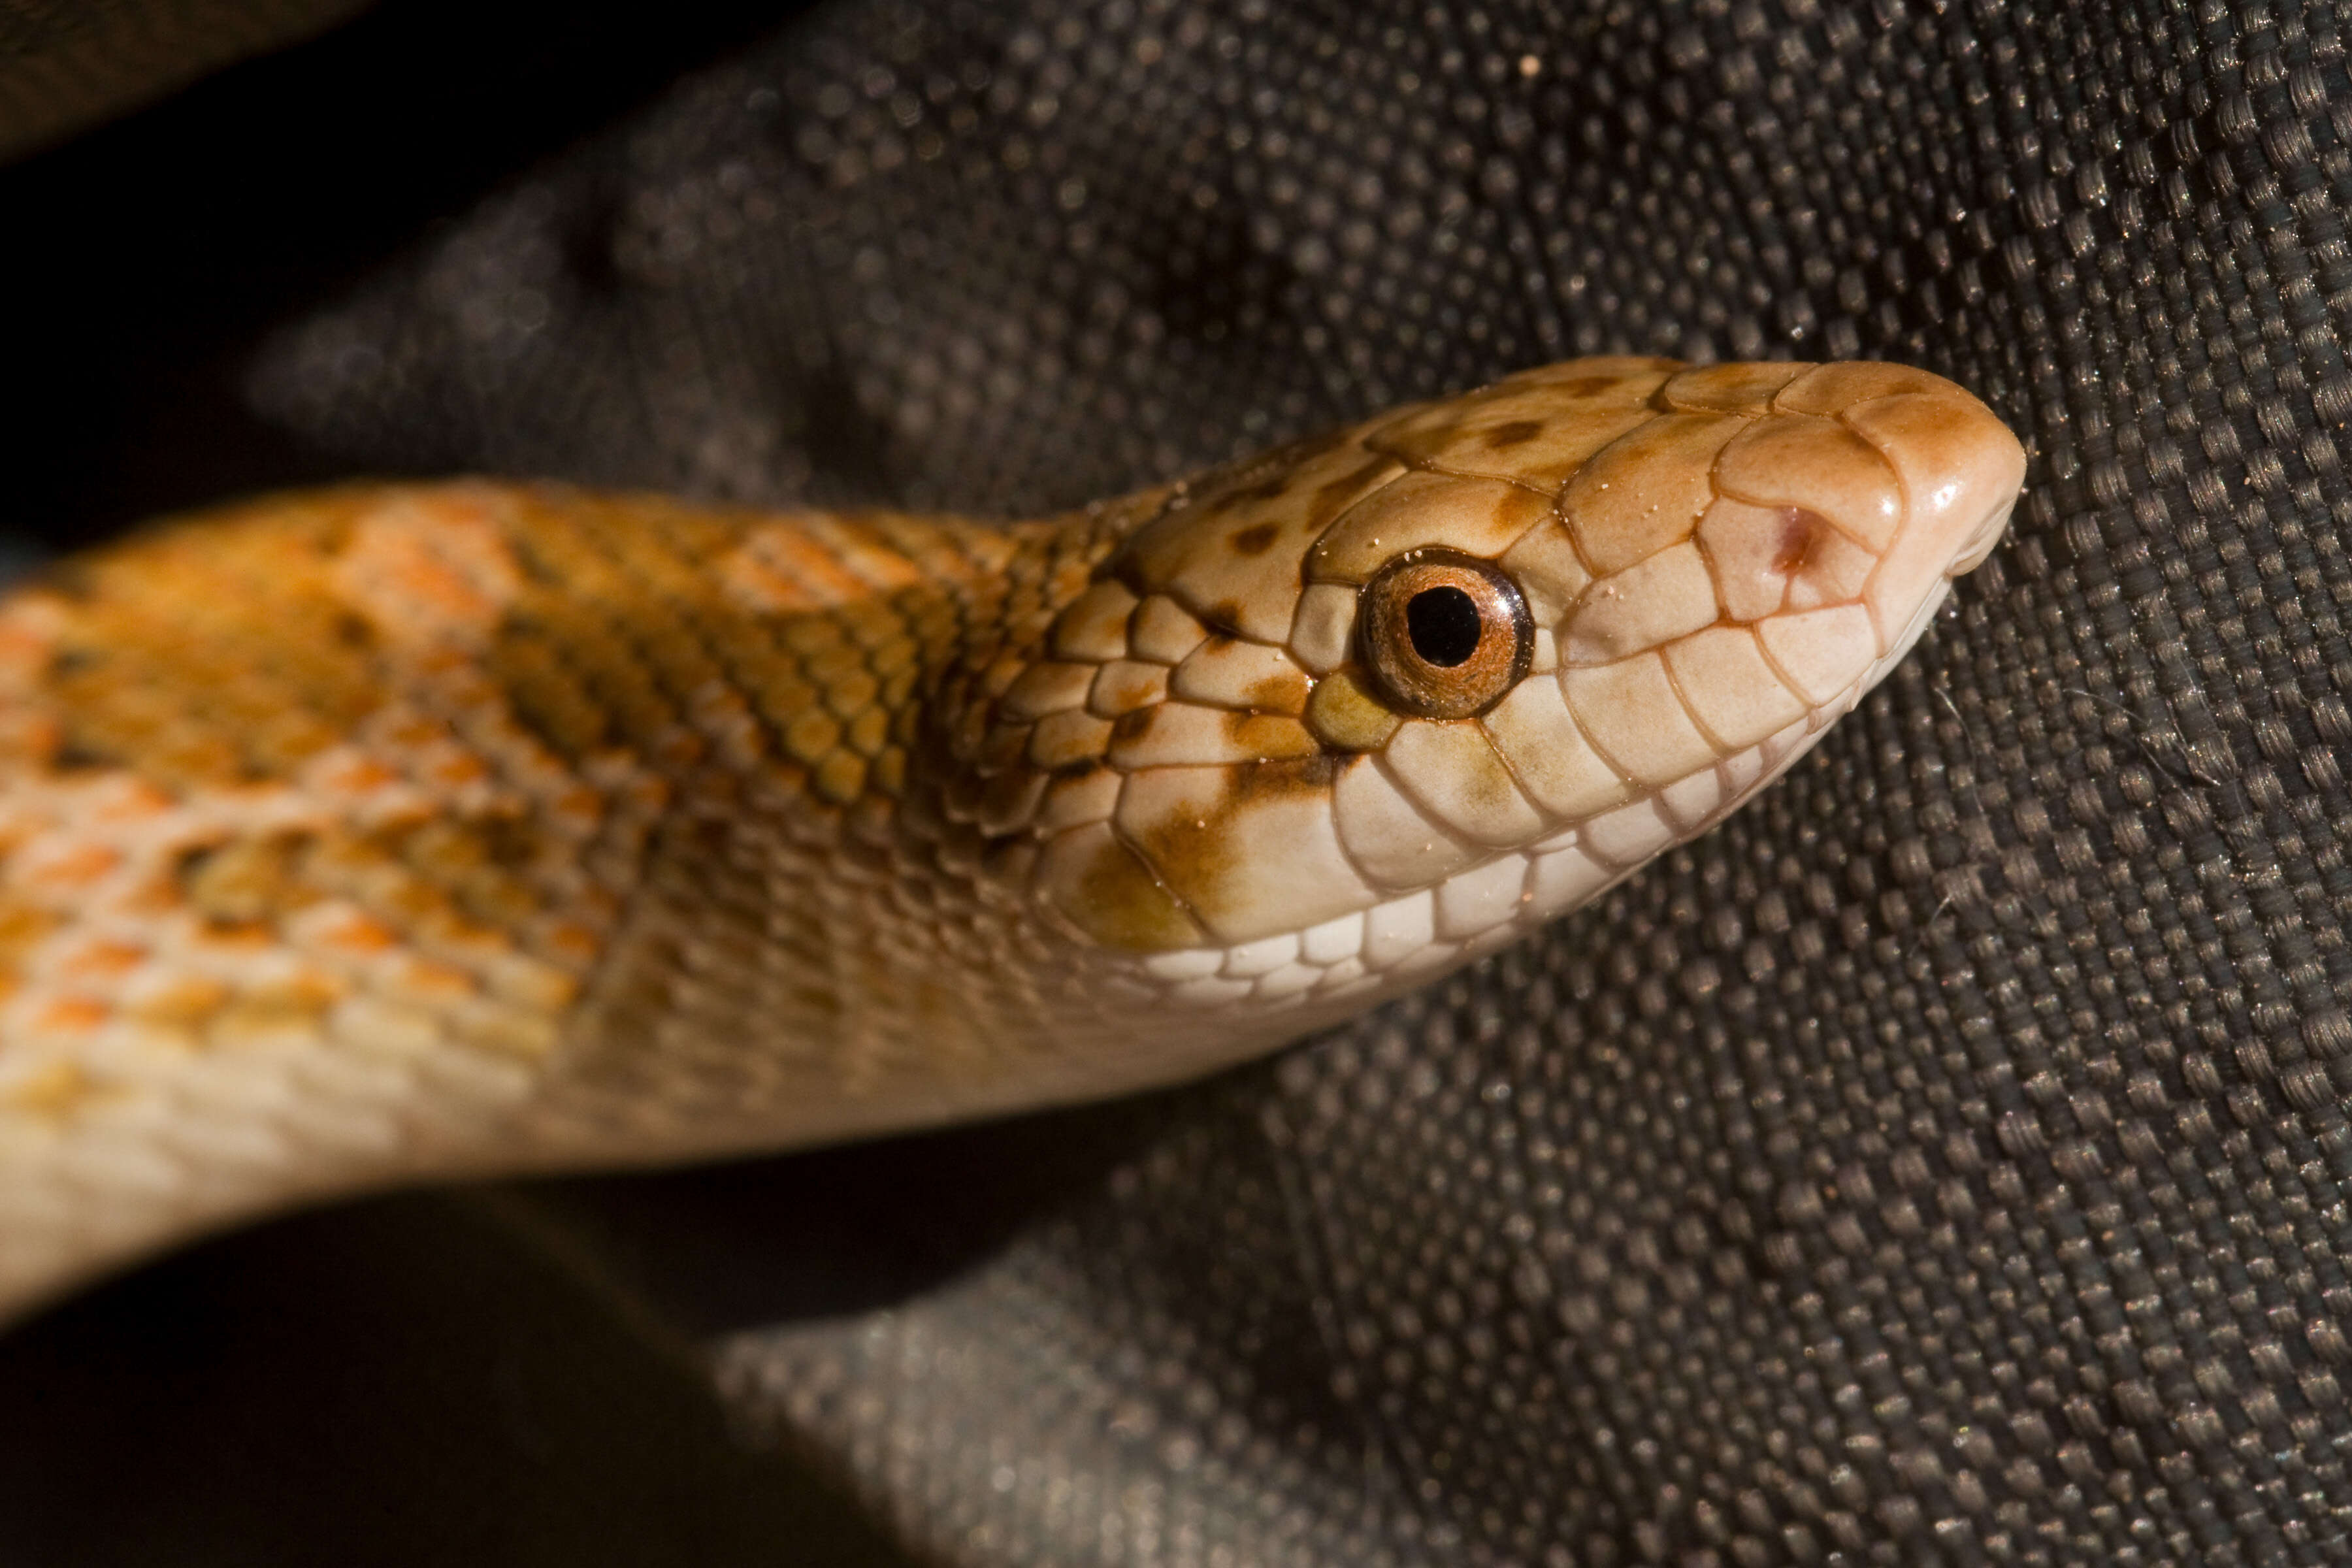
pixel 384 833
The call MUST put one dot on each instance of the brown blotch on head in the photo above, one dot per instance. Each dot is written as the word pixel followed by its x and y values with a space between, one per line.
pixel 1191 847
pixel 1121 904
pixel 1256 539
pixel 1250 478
pixel 1801 534
pixel 1345 488
pixel 1264 735
pixel 1297 776
pixel 73 755
pixel 1297 452
pixel 1134 724
pixel 1517 433
pixel 1188 845
pixel 1587 386
pixel 1283 693
pixel 71 660
pixel 1273 488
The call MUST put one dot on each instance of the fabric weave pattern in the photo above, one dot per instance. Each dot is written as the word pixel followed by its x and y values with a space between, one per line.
pixel 1947 1162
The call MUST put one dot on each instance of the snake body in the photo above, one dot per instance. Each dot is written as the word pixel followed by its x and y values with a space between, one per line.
pixel 381 833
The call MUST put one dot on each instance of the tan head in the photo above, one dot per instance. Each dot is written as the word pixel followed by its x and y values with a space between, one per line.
pixel 1371 703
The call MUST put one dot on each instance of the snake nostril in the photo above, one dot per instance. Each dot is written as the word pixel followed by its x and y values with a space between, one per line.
pixel 1443 623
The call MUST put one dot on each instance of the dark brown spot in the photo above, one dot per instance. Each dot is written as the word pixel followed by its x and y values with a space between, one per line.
pixel 1333 494
pixel 1587 386
pixel 1134 725
pixel 1191 847
pixel 1284 692
pixel 1518 433
pixel 1261 477
pixel 1296 453
pixel 1224 620
pixel 1799 533
pixel 1257 539
pixel 1267 736
pixel 1297 776
pixel 73 756
pixel 1278 778
pixel 1186 848
pixel 1119 900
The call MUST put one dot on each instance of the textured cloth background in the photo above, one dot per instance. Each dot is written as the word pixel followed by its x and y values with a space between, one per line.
pixel 1944 1163
pixel 65 64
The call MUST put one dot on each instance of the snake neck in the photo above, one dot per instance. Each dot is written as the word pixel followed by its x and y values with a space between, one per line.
pixel 841 865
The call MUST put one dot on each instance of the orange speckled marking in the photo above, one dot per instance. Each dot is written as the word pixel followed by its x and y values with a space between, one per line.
pixel 68 867
pixel 69 1015
pixel 99 960
pixel 431 567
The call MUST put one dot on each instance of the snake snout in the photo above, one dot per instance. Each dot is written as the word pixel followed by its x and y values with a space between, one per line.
pixel 1960 469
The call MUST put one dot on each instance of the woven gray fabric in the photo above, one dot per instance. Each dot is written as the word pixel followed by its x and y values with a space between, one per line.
pixel 67 64
pixel 1946 1161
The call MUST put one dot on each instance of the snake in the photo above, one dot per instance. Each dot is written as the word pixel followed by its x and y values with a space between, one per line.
pixel 387 833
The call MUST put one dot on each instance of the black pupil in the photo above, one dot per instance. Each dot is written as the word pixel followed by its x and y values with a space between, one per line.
pixel 1444 625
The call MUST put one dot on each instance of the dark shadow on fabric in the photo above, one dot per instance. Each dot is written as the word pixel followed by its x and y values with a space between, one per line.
pixel 394 1381
pixel 504 1375
pixel 146 259
pixel 1207 280
pixel 837 1231
pixel 847 449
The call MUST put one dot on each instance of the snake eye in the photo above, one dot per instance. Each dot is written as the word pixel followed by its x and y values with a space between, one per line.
pixel 1445 634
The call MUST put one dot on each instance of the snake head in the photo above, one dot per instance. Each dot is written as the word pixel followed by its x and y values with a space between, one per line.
pixel 1368 705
